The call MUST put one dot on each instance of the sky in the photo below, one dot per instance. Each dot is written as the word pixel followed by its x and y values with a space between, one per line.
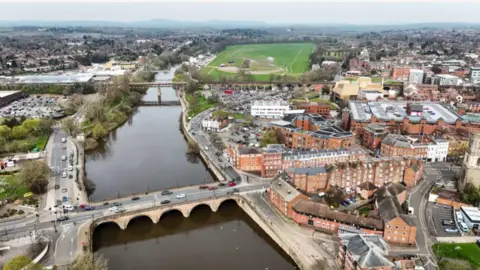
pixel 306 13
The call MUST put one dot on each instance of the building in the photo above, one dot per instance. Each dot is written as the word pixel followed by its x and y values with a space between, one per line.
pixel 321 108
pixel 212 124
pixel 421 92
pixel 445 79
pixel 416 76
pixel 403 116
pixel 272 160
pixel 400 73
pixel 6 97
pixel 373 135
pixel 346 90
pixel 399 228
pixel 396 145
pixel 318 158
pixel 246 159
pixel 474 75
pixel 363 251
pixel 309 180
pixel 283 196
pixel 269 109
pixel 437 150
pixel 471 163
pixel 471 216
pixel 370 95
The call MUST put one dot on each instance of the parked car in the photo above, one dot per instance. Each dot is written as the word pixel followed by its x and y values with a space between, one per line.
pixel 70 168
pixel 68 207
pixel 165 202
pixel 64 158
pixel 451 230
pixel 62 218
pixel 64 174
pixel 166 192
pixel 181 196
pixel 64 140
pixel 446 222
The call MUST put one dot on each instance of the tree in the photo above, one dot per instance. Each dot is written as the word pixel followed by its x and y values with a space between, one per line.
pixel 89 261
pixel 436 69
pixel 31 124
pixel 69 126
pixel 451 265
pixel 269 137
pixel 5 132
pixel 471 194
pixel 98 131
pixel 325 89
pixel 45 125
pixel 17 263
pixel 246 63
pixel 35 175
pixel 19 132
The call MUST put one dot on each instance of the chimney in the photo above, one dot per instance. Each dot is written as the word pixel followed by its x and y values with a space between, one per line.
pixel 288 191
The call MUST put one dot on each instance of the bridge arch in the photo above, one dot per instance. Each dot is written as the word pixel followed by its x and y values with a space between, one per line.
pixel 153 219
pixel 171 210
pixel 216 205
pixel 198 205
pixel 113 221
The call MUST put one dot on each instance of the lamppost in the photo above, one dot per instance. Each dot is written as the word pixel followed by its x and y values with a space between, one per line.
pixel 118 193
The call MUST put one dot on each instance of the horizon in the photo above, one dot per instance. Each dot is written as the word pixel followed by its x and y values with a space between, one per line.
pixel 353 13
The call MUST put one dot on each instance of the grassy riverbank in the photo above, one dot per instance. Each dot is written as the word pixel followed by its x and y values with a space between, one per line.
pixel 197 103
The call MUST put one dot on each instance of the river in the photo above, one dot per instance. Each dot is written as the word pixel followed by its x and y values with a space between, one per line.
pixel 149 153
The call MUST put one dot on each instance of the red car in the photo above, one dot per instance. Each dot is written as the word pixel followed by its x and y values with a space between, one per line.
pixel 203 187
pixel 232 184
pixel 212 188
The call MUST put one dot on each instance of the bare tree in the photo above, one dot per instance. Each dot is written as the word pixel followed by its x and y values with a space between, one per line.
pixel 69 126
pixel 89 261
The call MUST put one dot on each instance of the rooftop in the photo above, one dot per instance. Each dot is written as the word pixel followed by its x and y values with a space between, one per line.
pixel 7 93
pixel 72 78
pixel 299 154
pixel 397 111
pixel 472 213
pixel 367 250
pixel 284 189
pixel 310 171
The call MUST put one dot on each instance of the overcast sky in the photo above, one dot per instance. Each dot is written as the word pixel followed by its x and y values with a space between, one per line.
pixel 351 13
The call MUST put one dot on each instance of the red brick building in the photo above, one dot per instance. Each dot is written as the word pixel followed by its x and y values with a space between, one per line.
pixel 309 180
pixel 283 196
pixel 395 145
pixel 373 135
pixel 321 108
pixel 400 73
pixel 363 252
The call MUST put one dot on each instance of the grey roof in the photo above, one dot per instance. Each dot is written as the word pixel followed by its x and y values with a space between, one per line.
pixel 416 107
pixel 396 110
pixel 284 189
pixel 409 219
pixel 310 171
pixel 387 203
pixel 248 151
pixel 299 154
pixel 367 250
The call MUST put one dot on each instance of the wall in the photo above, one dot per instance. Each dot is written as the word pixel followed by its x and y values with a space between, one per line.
pixel 454 204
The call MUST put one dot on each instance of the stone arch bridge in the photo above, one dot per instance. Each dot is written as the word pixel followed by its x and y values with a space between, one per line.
pixel 156 212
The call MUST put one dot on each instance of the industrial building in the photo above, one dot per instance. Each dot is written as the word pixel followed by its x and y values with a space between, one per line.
pixel 6 97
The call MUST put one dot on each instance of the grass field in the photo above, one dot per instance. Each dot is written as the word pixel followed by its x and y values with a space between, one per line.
pixel 265 60
pixel 469 252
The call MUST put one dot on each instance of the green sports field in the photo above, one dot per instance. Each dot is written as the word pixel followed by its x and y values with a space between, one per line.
pixel 264 60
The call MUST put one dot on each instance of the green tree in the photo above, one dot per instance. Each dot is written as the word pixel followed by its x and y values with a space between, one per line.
pixel 69 126
pixel 31 124
pixel 325 89
pixel 269 137
pixel 99 131
pixel 5 132
pixel 19 132
pixel 451 265
pixel 35 174
pixel 17 263
pixel 89 261
pixel 471 194
pixel 45 125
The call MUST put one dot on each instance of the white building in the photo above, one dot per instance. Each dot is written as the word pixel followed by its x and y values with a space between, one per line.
pixel 437 151
pixel 211 124
pixel 416 76
pixel 474 75
pixel 269 109
pixel 471 216
pixel 445 79
pixel 370 95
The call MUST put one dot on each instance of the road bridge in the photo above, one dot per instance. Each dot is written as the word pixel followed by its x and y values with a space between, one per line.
pixel 155 212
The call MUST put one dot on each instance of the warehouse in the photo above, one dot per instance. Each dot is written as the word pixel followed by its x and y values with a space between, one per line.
pixel 6 97
pixel 471 216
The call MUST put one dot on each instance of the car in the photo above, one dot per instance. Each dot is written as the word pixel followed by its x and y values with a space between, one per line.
pixel 235 190
pixel 64 140
pixel 451 230
pixel 181 196
pixel 232 184
pixel 193 133
pixel 62 218
pixel 68 207
pixel 70 168
pixel 116 204
pixel 64 158
pixel 57 186
pixel 113 208
pixel 238 178
pixel 222 184
pixel 165 202
pixel 166 192
pixel 447 222
pixel 119 210
pixel 219 160
pixel 203 187
pixel 64 174
pixel 212 188
pixel 218 154
pixel 88 208
pixel 135 198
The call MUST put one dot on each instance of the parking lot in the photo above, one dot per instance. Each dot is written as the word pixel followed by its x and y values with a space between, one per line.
pixel 34 106
pixel 440 213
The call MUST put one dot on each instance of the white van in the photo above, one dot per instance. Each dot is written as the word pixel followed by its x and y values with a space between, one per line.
pixel 459 216
pixel 68 207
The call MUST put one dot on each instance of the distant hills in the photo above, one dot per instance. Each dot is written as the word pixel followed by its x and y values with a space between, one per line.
pixel 218 24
